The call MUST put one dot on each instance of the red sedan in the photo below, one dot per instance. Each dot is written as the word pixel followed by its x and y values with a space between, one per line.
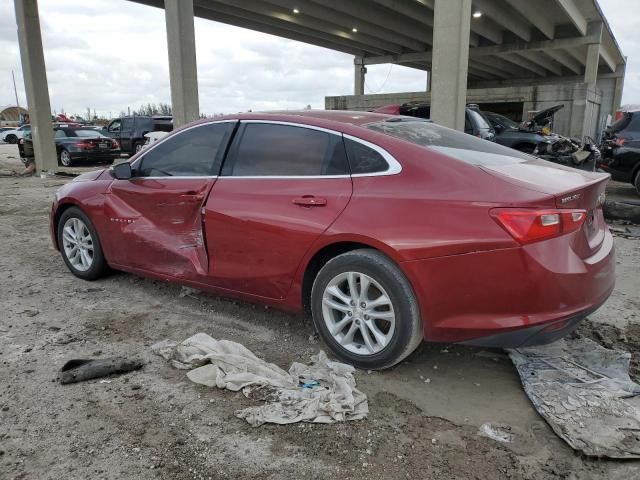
pixel 388 229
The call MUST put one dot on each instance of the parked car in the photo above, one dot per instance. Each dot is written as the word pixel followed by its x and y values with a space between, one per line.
pixel 75 145
pixel 14 134
pixel 130 131
pixel 514 135
pixel 152 137
pixel 388 229
pixel 475 123
pixel 621 149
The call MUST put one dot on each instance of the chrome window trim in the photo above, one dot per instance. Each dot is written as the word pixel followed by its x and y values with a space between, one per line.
pixel 162 140
pixel 394 166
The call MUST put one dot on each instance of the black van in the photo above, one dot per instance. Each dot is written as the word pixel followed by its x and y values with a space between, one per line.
pixel 621 149
pixel 130 131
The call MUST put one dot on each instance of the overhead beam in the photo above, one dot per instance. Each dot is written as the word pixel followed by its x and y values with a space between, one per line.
pixel 543 61
pixel 391 20
pixel 486 28
pixel 560 43
pixel 537 16
pixel 574 14
pixel 417 11
pixel 564 58
pixel 279 14
pixel 506 17
pixel 401 58
pixel 347 22
pixel 608 57
pixel 513 71
pixel 524 63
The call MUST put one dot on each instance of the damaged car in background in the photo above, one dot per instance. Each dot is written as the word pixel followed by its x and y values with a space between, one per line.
pixel 373 223
pixel 535 136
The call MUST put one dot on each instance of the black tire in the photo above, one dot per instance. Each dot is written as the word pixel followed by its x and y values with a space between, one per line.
pixel 11 139
pixel 636 182
pixel 408 331
pixel 98 267
pixel 137 146
pixel 64 158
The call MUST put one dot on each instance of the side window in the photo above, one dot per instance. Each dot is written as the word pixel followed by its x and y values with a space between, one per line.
pixel 60 134
pixel 114 126
pixel 189 153
pixel 127 124
pixel 269 150
pixel 363 159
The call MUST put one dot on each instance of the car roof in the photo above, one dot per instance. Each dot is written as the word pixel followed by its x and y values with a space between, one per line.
pixel 311 117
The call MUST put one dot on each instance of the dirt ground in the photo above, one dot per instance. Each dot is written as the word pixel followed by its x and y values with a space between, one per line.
pixel 154 423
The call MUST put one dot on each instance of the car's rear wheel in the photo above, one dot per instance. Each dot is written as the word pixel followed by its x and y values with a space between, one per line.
pixel 80 245
pixel 65 158
pixel 137 147
pixel 365 310
pixel 11 139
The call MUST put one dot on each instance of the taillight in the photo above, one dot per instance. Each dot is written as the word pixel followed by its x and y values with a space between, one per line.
pixel 83 144
pixel 531 225
pixel 620 141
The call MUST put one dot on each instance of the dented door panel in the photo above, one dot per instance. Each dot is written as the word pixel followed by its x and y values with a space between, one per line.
pixel 157 224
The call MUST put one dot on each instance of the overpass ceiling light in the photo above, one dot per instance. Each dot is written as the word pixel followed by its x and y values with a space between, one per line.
pixel 295 10
pixel 354 30
pixel 477 14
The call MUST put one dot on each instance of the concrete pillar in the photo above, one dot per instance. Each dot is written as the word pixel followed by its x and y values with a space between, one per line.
pixel 593 55
pixel 450 62
pixel 359 71
pixel 617 93
pixel 183 70
pixel 35 82
pixel 428 80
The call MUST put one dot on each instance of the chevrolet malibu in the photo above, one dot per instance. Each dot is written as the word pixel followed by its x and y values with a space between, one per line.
pixel 389 230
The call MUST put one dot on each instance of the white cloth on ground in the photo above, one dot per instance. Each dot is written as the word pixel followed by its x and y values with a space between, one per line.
pixel 230 365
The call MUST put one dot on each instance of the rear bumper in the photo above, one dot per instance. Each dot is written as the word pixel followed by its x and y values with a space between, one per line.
pixel 513 296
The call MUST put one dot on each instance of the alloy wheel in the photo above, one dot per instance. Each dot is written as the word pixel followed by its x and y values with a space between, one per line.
pixel 65 158
pixel 77 244
pixel 358 313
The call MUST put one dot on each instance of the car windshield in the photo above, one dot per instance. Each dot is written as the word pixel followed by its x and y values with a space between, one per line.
pixel 480 121
pixel 621 123
pixel 504 121
pixel 87 133
pixel 452 143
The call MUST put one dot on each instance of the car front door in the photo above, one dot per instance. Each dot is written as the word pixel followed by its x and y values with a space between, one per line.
pixel 156 215
pixel 281 187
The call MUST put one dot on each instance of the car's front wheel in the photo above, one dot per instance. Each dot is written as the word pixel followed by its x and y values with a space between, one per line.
pixel 11 139
pixel 365 310
pixel 80 245
pixel 65 158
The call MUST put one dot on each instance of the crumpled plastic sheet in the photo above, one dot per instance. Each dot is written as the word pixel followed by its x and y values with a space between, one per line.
pixel 321 392
pixel 584 392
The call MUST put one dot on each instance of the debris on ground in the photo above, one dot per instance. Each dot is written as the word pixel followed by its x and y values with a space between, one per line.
pixel 498 432
pixel 322 392
pixel 625 231
pixel 584 392
pixel 79 370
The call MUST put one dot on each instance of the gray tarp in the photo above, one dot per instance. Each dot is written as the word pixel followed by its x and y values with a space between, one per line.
pixel 584 392
pixel 322 392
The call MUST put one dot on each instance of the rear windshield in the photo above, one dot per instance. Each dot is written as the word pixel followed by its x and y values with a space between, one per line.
pixel 479 120
pixel 86 133
pixel 458 145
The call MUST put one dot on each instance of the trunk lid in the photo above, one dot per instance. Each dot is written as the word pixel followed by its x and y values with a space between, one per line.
pixel 571 189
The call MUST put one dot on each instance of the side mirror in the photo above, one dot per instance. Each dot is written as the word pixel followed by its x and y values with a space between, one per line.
pixel 122 171
pixel 498 128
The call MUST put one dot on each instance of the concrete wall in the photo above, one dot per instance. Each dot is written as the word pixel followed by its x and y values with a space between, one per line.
pixel 580 103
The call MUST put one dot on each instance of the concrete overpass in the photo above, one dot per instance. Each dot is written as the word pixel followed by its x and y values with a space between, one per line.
pixel 476 44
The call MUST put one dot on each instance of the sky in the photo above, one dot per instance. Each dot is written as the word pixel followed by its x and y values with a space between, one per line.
pixel 109 55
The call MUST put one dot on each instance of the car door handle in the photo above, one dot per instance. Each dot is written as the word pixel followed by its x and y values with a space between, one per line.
pixel 310 201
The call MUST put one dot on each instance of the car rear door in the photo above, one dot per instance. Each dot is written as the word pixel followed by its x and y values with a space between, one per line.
pixel 156 215
pixel 282 185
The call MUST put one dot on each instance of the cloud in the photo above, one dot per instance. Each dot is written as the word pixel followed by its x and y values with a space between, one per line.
pixel 112 54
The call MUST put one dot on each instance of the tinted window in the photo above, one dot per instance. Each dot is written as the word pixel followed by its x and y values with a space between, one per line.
pixel 363 159
pixel 450 142
pixel 189 153
pixel 479 120
pixel 280 150
pixel 60 134
pixel 114 126
pixel 87 133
